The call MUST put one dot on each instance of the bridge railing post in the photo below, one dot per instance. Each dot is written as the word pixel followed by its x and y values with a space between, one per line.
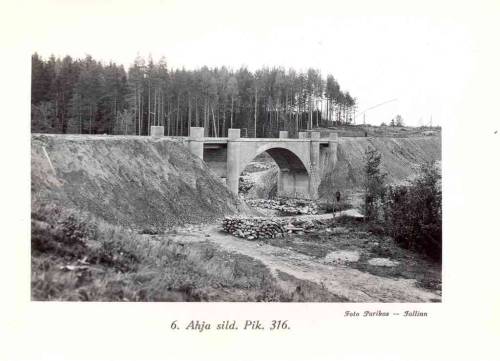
pixel 196 132
pixel 233 133
pixel 283 134
pixel 157 131
pixel 333 137
pixel 302 135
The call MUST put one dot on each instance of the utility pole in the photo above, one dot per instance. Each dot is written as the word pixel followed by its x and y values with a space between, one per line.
pixel 149 103
pixel 375 106
pixel 255 115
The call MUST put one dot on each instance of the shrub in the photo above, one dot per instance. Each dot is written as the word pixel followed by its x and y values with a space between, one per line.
pixel 414 213
pixel 374 185
pixel 59 232
pixel 79 258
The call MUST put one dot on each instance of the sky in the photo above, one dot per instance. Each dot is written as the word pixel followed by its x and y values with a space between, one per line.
pixel 420 55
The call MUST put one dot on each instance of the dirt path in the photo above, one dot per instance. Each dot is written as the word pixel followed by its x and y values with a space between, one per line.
pixel 354 213
pixel 340 280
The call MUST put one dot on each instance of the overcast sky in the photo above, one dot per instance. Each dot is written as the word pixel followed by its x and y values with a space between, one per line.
pixel 420 57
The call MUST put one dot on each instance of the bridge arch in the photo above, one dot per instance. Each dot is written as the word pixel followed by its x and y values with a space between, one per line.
pixel 285 158
pixel 293 175
pixel 298 159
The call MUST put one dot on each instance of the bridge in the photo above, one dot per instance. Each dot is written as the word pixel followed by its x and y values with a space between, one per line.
pixel 301 161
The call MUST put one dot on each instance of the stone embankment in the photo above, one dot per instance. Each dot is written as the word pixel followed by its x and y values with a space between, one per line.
pixel 265 228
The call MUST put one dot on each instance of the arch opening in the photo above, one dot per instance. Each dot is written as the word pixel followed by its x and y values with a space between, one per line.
pixel 274 172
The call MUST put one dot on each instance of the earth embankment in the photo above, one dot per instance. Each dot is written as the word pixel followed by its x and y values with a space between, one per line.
pixel 401 158
pixel 136 182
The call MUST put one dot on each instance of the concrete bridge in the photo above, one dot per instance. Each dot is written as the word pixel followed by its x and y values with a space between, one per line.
pixel 298 159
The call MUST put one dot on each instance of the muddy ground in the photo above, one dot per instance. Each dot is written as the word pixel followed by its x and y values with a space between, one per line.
pixel 344 262
pixel 340 261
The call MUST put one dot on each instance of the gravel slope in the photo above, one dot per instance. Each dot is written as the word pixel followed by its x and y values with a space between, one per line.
pixel 136 182
pixel 400 160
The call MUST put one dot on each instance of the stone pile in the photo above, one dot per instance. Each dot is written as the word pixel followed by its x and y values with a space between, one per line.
pixel 262 228
pixel 253 228
pixel 286 206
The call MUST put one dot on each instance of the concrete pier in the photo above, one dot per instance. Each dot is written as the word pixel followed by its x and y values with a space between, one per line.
pixel 314 177
pixel 233 160
pixel 333 142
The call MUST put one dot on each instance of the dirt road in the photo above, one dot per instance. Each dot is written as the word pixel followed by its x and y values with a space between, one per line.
pixel 338 279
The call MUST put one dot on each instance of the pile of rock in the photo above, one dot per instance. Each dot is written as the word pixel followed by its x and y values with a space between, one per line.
pixel 253 228
pixel 262 228
pixel 286 206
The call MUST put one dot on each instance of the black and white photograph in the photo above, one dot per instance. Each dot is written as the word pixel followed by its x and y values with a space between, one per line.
pixel 261 179
pixel 237 169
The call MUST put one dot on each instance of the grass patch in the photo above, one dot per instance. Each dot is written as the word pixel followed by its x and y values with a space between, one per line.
pixel 91 260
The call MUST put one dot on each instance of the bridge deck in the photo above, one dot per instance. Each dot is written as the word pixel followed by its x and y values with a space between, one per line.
pixel 210 140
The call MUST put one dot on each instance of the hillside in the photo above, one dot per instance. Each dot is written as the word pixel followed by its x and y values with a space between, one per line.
pixel 368 130
pixel 135 181
pixel 400 159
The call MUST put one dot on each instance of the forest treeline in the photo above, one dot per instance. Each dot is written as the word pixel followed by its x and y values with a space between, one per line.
pixel 85 96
